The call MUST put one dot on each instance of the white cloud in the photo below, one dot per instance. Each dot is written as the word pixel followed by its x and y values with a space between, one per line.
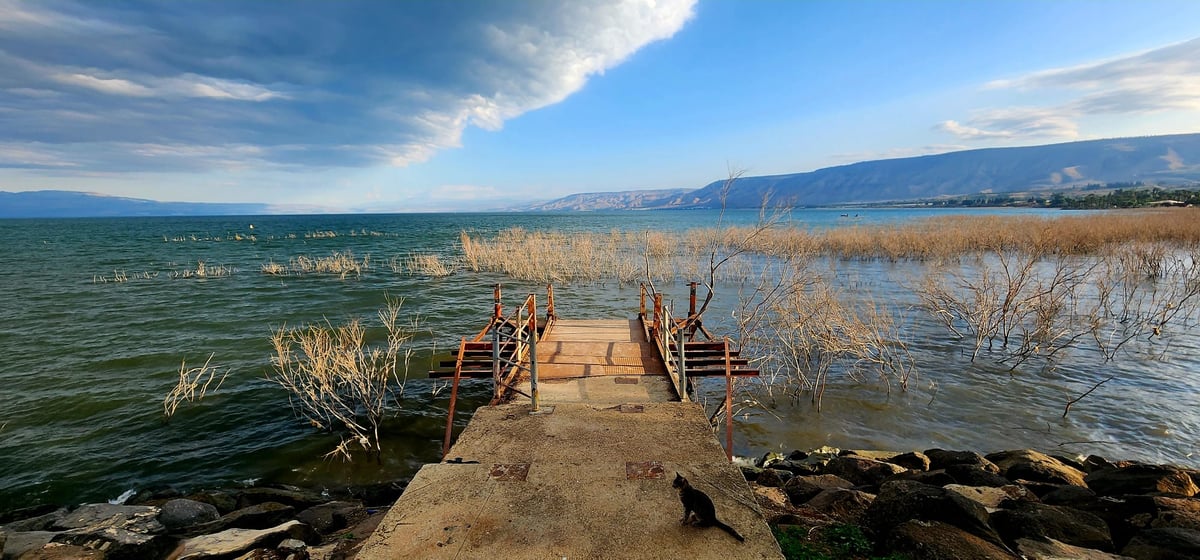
pixel 186 85
pixel 1163 79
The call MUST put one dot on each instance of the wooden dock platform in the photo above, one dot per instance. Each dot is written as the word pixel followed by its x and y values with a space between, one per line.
pixel 586 475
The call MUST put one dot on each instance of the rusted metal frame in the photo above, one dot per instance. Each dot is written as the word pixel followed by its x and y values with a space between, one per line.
pixel 728 404
pixel 453 397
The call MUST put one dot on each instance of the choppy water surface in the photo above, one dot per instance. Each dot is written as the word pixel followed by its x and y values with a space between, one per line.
pixel 84 364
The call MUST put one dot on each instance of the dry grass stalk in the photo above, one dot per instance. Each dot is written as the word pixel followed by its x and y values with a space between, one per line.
pixel 192 385
pixel 203 270
pixel 336 382
pixel 421 264
pixel 343 264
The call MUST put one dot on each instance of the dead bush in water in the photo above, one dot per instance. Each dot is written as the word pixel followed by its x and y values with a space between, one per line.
pixel 203 270
pixel 192 385
pixel 421 264
pixel 336 382
pixel 342 264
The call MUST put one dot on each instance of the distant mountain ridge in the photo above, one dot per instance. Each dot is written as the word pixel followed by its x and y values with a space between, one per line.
pixel 1170 159
pixel 71 204
pixel 622 200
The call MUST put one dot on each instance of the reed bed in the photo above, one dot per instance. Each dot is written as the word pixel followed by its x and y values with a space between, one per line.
pixel 340 263
pixel 203 270
pixel 422 264
pixel 120 277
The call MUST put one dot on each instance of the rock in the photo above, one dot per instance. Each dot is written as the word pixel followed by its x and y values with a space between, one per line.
pixel 1035 466
pixel 296 497
pixel 991 497
pixel 772 499
pixel 1068 495
pixel 1093 463
pixel 798 455
pixel 7 518
pixel 801 468
pixel 293 548
pixel 56 551
pixel 976 475
pixel 182 513
pixel 118 543
pixel 1075 462
pixel 1054 550
pixel 750 473
pixel 773 477
pixel 233 542
pixel 261 516
pixel 940 459
pixel 934 478
pixel 41 522
pixel 913 460
pixel 3 539
pixel 768 458
pixel 136 519
pixel 1028 520
pixel 861 471
pixel 225 502
pixel 380 494
pixel 1118 513
pixel 1164 544
pixel 1163 511
pixel 934 540
pixel 844 505
pixel 802 488
pixel 153 496
pixel 1142 479
pixel 901 500
pixel 20 542
pixel 332 516
pixel 867 454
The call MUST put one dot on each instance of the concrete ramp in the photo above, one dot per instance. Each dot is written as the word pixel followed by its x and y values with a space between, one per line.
pixel 577 481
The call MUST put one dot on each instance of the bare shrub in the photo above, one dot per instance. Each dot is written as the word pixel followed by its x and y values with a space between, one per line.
pixel 421 264
pixel 192 385
pixel 203 270
pixel 336 382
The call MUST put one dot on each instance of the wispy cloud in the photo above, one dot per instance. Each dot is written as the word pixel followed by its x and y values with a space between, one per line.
pixel 1163 79
pixel 333 85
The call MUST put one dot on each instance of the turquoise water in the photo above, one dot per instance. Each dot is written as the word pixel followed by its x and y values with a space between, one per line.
pixel 85 364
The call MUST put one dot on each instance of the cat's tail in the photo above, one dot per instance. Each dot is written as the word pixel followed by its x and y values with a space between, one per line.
pixel 728 529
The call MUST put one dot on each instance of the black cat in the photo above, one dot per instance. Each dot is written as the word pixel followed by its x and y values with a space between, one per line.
pixel 697 505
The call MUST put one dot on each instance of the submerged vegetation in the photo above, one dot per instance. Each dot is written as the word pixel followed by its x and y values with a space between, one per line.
pixel 1020 290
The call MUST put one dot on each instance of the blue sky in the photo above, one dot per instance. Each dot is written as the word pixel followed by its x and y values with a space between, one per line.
pixel 410 106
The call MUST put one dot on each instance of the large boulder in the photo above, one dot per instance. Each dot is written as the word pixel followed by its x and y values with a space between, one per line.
pixel 940 459
pixel 862 471
pixel 1068 495
pixel 118 543
pixel 235 542
pixel 41 521
pixel 182 513
pixel 1142 479
pixel 844 505
pixel 57 551
pixel 1029 520
pixel 137 519
pixel 19 542
pixel 261 516
pixel 991 497
pixel 934 540
pixel 933 478
pixel 802 488
pixel 1027 464
pixel 296 497
pixel 901 500
pixel 772 477
pixel 333 516
pixel 913 461
pixel 976 475
pixel 1164 511
pixel 1168 543
pixel 1051 549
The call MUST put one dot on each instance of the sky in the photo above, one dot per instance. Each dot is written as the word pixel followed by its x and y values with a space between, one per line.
pixel 365 105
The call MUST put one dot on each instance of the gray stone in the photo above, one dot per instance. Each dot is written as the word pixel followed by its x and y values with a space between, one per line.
pixel 1164 544
pixel 41 522
pixel 1142 479
pixel 1028 520
pixel 935 540
pixel 333 516
pixel 976 475
pixel 1051 549
pixel 802 488
pixel 295 497
pixel 901 500
pixel 118 543
pixel 862 471
pixel 136 519
pixel 913 460
pixel 940 459
pixel 233 542
pixel 225 502
pixel 182 513
pixel 750 473
pixel 58 551
pixel 19 542
pixel 991 497
pixel 261 516
pixel 842 504
pixel 292 545
pixel 773 477
pixel 1035 466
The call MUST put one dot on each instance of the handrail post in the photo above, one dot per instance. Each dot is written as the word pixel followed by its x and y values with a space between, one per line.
pixel 642 306
pixel 692 298
pixel 682 367
pixel 453 397
pixel 549 303
pixel 496 355
pixel 728 404
pixel 533 368
pixel 658 323
pixel 496 298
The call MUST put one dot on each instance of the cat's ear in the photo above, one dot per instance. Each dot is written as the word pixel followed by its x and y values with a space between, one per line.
pixel 678 476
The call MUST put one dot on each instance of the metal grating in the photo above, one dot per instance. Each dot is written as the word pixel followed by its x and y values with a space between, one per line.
pixel 644 470
pixel 509 472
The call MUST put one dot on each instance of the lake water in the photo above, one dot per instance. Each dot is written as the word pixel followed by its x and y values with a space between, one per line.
pixel 85 364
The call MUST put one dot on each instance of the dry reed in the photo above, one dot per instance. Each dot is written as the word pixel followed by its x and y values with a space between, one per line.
pixel 421 264
pixel 192 385
pixel 203 270
pixel 343 264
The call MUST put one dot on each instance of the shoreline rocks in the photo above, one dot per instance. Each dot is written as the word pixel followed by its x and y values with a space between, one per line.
pixel 269 522
pixel 1011 504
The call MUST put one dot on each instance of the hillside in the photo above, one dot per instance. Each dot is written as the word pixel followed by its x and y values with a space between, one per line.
pixel 624 200
pixel 69 204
